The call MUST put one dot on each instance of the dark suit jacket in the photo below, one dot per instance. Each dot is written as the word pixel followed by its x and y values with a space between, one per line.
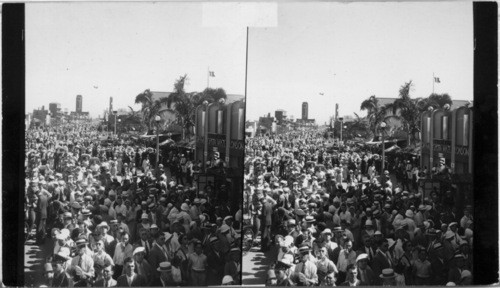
pixel 439 271
pixel 371 277
pixel 454 275
pixel 155 257
pixel 378 264
pixel 157 283
pixel 112 283
pixel 138 281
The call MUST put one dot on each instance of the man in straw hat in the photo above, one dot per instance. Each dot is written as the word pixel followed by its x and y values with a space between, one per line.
pixel 60 278
pixel 305 272
pixel 82 266
pixel 282 274
pixel 388 277
pixel 166 279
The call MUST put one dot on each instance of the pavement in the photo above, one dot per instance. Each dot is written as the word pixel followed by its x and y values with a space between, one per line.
pixel 255 265
pixel 34 259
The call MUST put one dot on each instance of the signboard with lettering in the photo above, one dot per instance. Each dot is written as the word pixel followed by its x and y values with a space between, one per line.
pixel 462 153
pixel 217 140
pixel 237 147
pixel 442 147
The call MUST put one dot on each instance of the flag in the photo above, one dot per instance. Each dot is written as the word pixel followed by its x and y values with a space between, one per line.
pixel 436 79
pixel 211 73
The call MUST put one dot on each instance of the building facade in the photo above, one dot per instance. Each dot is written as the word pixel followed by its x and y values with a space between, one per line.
pixel 54 109
pixel 280 115
pixel 220 133
pixel 447 135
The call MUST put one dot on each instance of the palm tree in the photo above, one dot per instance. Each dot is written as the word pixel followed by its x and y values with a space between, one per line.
pixel 360 127
pixel 185 111
pixel 376 113
pixel 178 91
pixel 150 107
pixel 409 110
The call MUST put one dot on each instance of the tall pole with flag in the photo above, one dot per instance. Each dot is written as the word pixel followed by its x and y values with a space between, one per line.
pixel 434 80
pixel 209 74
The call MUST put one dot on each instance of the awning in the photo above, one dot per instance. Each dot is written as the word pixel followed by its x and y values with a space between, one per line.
pixel 167 142
pixel 393 148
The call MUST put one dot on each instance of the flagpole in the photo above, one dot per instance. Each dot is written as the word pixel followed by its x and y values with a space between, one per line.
pixel 246 67
pixel 433 81
pixel 208 77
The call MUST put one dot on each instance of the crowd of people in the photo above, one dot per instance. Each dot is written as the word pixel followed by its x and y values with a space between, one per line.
pixel 106 215
pixel 333 217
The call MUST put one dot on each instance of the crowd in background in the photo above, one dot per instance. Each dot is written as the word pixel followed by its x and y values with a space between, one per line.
pixel 107 215
pixel 333 217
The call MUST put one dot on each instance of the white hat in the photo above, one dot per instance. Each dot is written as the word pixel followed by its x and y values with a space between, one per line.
pixel 361 257
pixel 139 249
pixel 368 223
pixel 103 224
pixel 449 234
pixel 227 279
pixel 409 213
pixel 391 242
pixel 168 236
pixel 451 284
pixel 224 228
pixel 185 207
pixel 144 216
pixel 465 274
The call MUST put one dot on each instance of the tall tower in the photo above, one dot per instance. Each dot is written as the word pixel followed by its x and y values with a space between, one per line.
pixel 336 111
pixel 110 105
pixel 305 108
pixel 78 104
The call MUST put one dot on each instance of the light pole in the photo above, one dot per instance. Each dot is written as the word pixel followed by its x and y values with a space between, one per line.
pixel 383 125
pixel 114 113
pixel 157 120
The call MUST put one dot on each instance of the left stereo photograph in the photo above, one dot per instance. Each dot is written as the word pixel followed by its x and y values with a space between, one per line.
pixel 135 144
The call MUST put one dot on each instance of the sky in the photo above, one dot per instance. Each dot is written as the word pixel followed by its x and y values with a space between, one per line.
pixel 346 51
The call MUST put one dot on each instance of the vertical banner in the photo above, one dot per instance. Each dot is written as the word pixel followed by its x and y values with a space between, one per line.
pixel 428 128
pixel 203 123
pixel 445 127
pixel 220 118
pixel 241 123
pixel 466 130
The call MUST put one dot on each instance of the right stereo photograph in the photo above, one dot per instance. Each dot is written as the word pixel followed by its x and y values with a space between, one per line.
pixel 358 147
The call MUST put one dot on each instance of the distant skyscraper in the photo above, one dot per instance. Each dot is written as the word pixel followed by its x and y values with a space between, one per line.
pixel 78 103
pixel 305 108
pixel 110 105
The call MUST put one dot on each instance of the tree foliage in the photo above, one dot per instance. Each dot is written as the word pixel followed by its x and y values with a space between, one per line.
pixel 375 112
